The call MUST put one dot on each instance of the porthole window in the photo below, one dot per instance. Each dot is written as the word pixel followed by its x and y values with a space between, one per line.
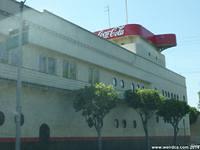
pixel 134 124
pixel 168 94
pixel 122 83
pixel 175 96
pixel 163 92
pixel 114 82
pixel 116 123
pixel 172 95
pixel 22 119
pixel 133 86
pixel 124 123
pixel 142 86
pixel 2 118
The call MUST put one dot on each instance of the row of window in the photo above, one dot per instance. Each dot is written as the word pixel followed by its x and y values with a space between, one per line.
pixel 134 86
pixel 122 84
pixel 2 119
pixel 48 65
pixel 123 123
pixel 172 95
pixel 44 133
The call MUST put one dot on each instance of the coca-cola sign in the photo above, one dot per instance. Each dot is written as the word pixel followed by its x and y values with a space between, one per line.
pixel 111 33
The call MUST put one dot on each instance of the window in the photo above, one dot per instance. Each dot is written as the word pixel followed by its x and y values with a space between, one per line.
pixel 122 83
pixel 69 70
pixel 163 92
pixel 124 123
pixel 72 71
pixel 2 118
pixel 43 64
pixel 13 57
pixel 172 95
pixel 65 69
pixel 116 123
pixel 133 86
pixel 138 86
pixel 51 65
pixel 156 58
pixel 3 54
pixel 142 86
pixel 21 119
pixel 175 96
pixel 114 82
pixel 168 94
pixel 47 65
pixel 93 75
pixel 134 124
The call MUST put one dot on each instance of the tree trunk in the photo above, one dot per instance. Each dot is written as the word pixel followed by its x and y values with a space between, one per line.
pixel 147 142
pixel 99 139
pixel 175 135
pixel 145 127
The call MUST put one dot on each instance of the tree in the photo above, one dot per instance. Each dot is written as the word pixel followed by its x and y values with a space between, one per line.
pixel 172 112
pixel 193 114
pixel 95 102
pixel 145 102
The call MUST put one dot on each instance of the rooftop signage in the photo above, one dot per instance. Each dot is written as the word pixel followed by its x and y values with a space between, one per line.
pixel 161 41
pixel 111 33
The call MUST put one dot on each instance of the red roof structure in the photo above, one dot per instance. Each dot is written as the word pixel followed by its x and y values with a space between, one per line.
pixel 161 41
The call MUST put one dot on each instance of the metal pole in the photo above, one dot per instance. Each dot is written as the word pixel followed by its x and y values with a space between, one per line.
pixel 19 82
pixel 108 11
pixel 126 7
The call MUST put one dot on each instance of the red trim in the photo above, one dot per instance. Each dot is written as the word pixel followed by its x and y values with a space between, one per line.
pixel 160 41
pixel 29 139
pixel 34 139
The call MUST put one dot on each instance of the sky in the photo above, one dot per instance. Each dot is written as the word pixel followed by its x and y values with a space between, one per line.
pixel 159 16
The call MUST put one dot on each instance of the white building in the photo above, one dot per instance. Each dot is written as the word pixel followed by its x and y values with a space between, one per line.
pixel 58 57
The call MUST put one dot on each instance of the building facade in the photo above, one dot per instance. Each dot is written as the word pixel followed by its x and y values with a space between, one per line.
pixel 59 57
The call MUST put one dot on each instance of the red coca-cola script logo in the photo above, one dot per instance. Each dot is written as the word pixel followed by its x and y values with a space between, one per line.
pixel 114 32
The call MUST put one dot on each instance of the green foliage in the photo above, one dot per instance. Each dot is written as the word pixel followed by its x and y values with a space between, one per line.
pixel 173 111
pixel 143 100
pixel 193 113
pixel 95 102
